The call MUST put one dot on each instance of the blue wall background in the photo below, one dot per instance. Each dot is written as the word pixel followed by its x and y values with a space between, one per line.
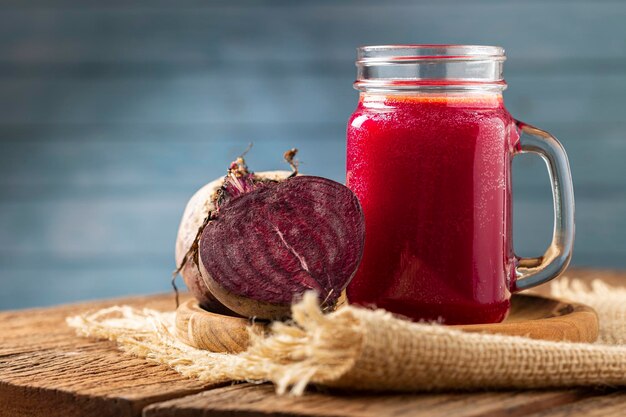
pixel 113 113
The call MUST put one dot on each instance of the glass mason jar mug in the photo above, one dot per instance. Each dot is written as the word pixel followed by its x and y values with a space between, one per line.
pixel 429 153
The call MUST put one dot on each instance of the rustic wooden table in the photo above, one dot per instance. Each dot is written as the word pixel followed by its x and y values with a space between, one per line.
pixel 45 370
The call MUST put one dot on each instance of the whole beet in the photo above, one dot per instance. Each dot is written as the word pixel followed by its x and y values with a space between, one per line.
pixel 250 243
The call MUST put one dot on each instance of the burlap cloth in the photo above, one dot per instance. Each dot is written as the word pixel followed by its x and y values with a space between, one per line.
pixel 362 349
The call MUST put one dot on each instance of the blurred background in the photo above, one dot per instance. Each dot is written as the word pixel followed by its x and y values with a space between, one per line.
pixel 112 113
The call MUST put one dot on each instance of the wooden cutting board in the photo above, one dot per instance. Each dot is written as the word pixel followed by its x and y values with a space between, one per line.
pixel 46 370
pixel 533 316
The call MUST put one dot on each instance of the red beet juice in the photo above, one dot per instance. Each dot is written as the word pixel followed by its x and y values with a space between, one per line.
pixel 432 173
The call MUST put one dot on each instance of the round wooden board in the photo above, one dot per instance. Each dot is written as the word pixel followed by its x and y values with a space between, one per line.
pixel 531 316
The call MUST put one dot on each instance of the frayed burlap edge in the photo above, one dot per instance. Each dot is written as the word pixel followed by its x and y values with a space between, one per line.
pixel 355 348
pixel 312 348
pixel 608 301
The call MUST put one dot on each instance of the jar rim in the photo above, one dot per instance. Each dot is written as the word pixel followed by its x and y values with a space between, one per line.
pixel 404 52
pixel 430 66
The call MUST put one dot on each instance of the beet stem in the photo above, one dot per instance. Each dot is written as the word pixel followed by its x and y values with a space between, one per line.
pixel 290 157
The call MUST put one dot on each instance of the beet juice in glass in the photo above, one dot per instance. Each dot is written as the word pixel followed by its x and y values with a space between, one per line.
pixel 430 146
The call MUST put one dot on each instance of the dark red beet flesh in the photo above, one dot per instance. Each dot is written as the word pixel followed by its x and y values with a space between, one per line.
pixel 281 239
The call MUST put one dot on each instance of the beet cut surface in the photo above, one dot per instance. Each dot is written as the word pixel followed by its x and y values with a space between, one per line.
pixel 271 244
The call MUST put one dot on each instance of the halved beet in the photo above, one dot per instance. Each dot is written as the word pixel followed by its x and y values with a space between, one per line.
pixel 270 243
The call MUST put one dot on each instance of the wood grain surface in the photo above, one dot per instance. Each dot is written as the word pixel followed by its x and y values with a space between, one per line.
pixel 540 317
pixel 610 405
pixel 45 370
pixel 533 316
pixel 255 400
pixel 210 331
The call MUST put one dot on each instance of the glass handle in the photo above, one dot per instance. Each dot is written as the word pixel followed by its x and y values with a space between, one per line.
pixel 531 272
